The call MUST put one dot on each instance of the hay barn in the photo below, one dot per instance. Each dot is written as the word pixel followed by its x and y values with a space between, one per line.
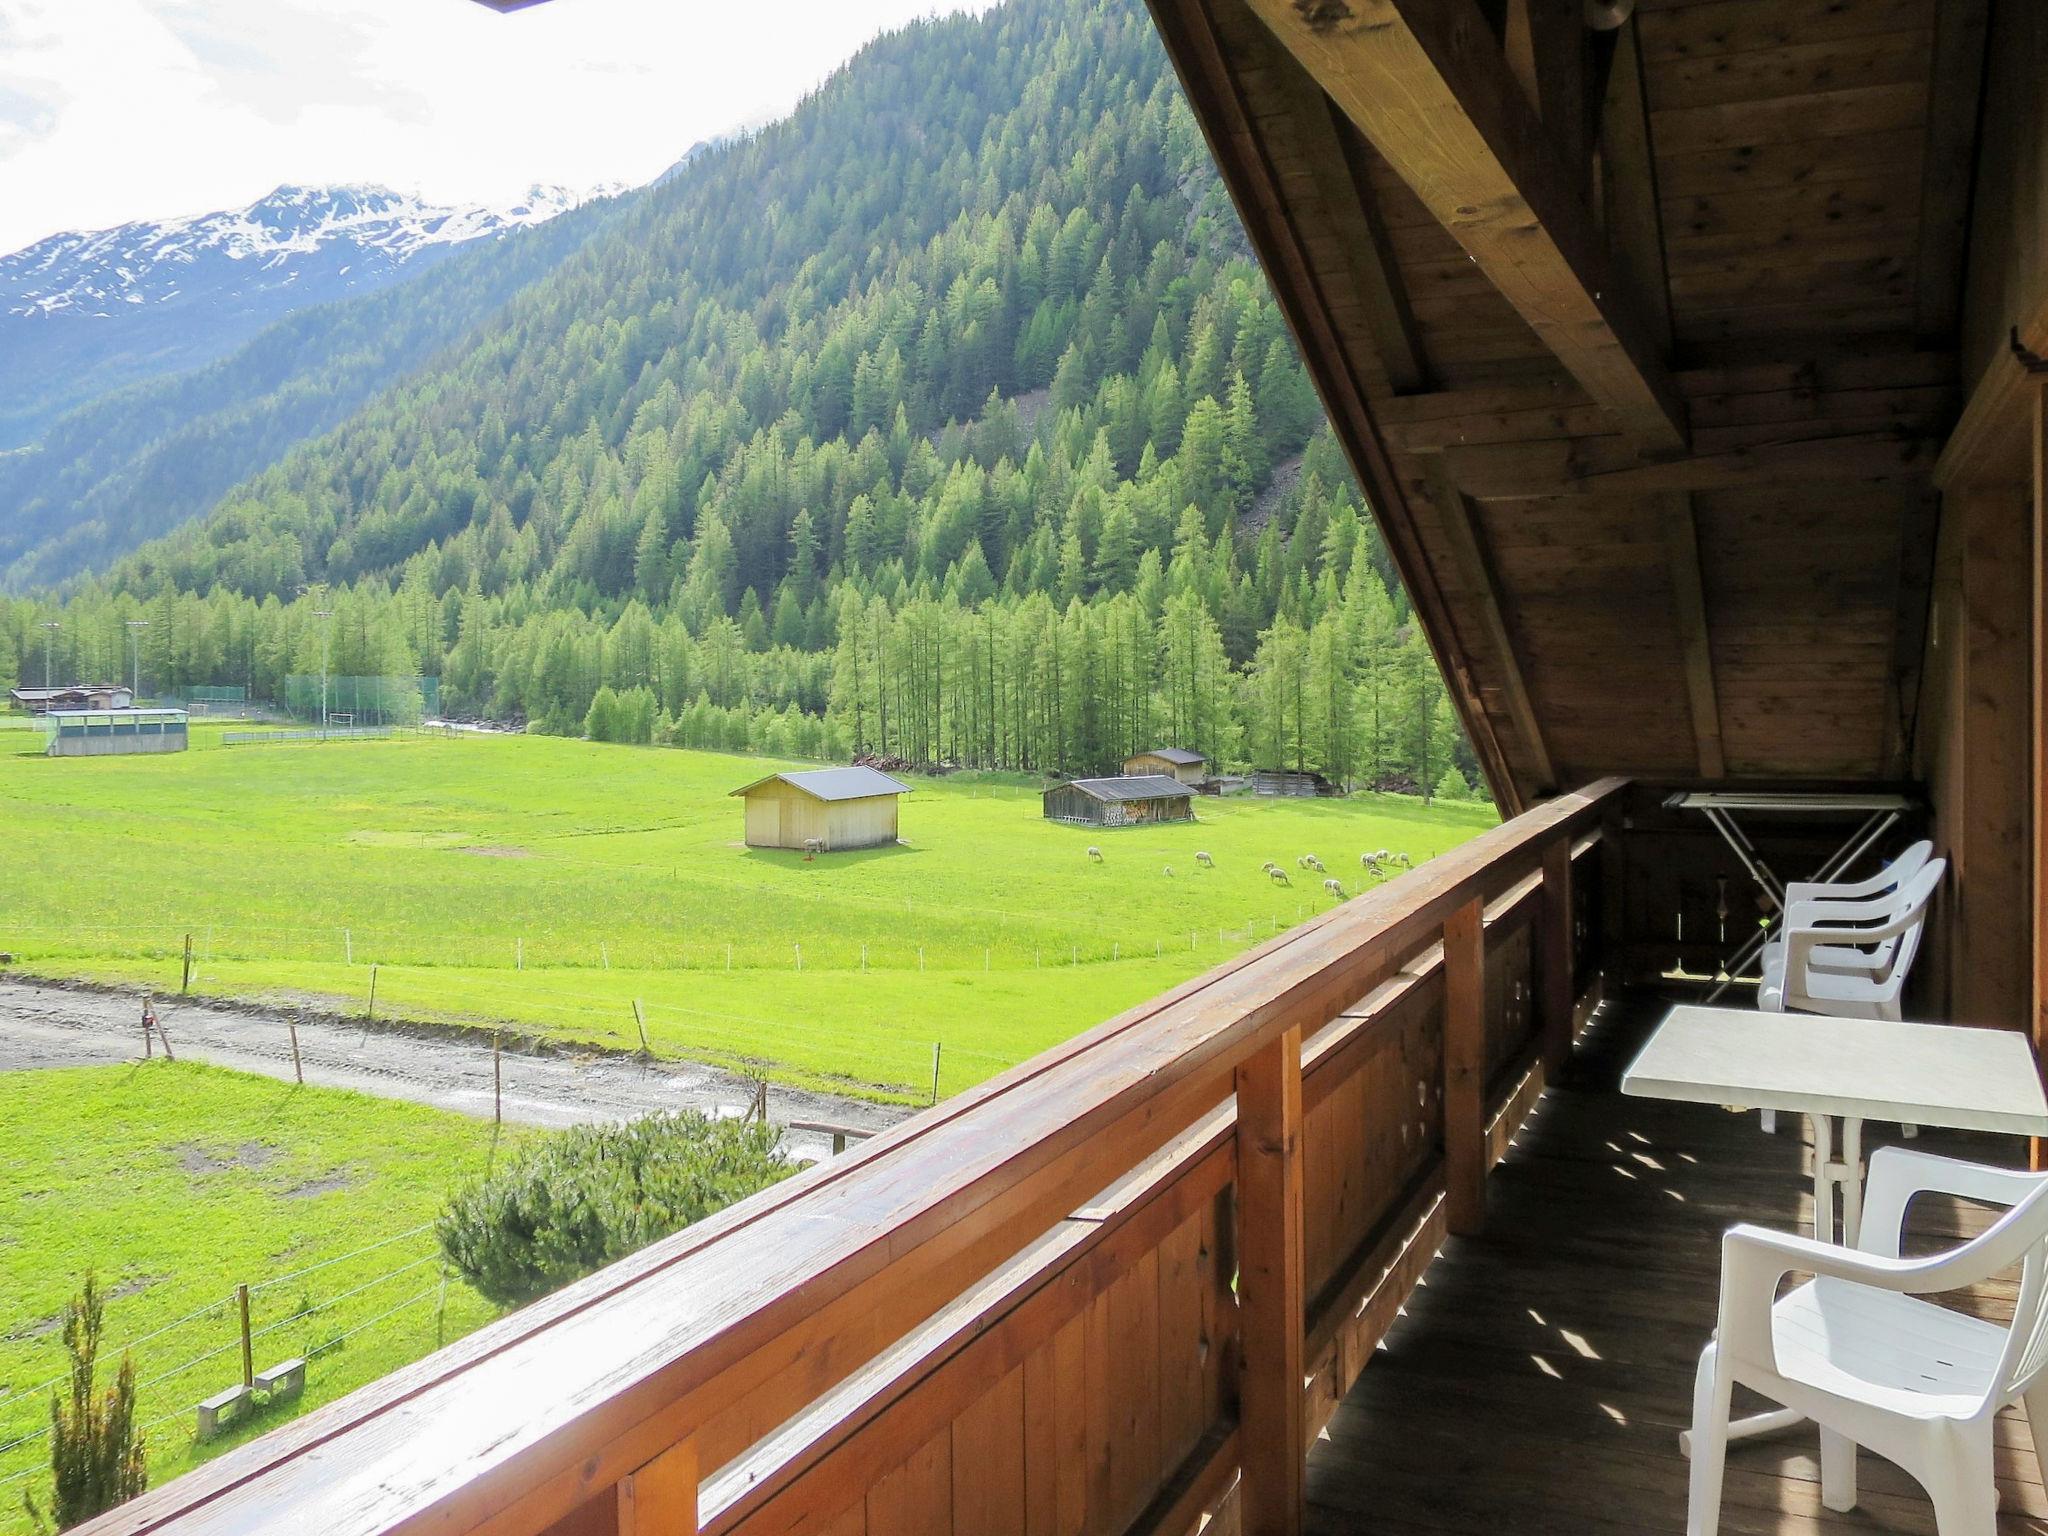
pixel 836 808
pixel 1121 802
pixel 1169 762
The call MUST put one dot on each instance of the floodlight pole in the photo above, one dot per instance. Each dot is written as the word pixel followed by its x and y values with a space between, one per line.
pixel 135 629
pixel 50 628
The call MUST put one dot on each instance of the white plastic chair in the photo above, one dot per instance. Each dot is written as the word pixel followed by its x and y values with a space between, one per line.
pixel 1857 1351
pixel 1886 882
pixel 1850 958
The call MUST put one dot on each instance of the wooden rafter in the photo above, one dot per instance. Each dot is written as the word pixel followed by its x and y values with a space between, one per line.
pixel 1603 466
pixel 1689 600
pixel 1332 149
pixel 1482 595
pixel 1954 96
pixel 1189 34
pixel 1635 219
pixel 1428 86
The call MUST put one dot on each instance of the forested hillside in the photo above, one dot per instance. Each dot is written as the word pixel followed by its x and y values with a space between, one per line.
pixel 137 463
pixel 947 419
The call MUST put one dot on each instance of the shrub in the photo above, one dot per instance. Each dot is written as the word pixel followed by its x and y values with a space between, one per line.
pixel 560 1208
pixel 96 1452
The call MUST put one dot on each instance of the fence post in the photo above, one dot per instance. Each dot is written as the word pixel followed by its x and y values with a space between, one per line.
pixel 348 948
pixel 292 1024
pixel 497 1082
pixel 640 1019
pixel 1465 1068
pixel 1272 1268
pixel 185 981
pixel 373 992
pixel 604 954
pixel 936 1047
pixel 799 956
pixel 519 952
pixel 248 1355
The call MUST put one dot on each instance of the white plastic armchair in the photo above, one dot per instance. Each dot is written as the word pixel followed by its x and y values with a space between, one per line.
pixel 1887 879
pixel 1850 958
pixel 1887 882
pixel 1856 1350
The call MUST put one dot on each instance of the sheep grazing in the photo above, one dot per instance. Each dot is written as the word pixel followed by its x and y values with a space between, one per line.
pixel 1095 854
pixel 1335 888
pixel 1279 875
pixel 1169 871
pixel 1203 858
pixel 1310 861
pixel 1403 860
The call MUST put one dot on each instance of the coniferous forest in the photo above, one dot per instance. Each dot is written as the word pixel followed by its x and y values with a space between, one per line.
pixel 948 419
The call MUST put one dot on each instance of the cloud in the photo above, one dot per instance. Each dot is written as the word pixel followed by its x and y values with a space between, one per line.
pixel 112 110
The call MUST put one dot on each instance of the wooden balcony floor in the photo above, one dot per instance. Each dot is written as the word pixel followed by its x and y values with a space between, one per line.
pixel 1539 1378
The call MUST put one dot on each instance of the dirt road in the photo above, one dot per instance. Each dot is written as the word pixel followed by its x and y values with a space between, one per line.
pixel 49 1026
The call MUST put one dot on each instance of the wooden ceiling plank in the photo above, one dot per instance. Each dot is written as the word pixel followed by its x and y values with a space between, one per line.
pixel 1605 466
pixel 1955 94
pixel 1682 542
pixel 1482 594
pixel 1428 86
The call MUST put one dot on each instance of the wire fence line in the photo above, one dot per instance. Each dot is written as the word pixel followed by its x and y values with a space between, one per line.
pixel 305 1313
pixel 540 950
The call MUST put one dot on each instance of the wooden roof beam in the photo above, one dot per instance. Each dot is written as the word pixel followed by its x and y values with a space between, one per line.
pixel 1482 593
pixel 1429 87
pixel 1955 94
pixel 1689 600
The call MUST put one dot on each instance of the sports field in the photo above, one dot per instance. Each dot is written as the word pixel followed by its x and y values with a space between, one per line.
pixel 196 1181
pixel 549 884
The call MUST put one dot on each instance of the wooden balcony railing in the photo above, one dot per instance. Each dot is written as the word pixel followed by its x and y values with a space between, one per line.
pixel 1120 1283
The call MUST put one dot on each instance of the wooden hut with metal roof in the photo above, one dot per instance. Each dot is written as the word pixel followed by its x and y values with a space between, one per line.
pixel 1692 354
pixel 1129 800
pixel 825 809
pixel 1174 762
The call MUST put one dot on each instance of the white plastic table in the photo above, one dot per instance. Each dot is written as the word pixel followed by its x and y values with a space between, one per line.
pixel 1851 1069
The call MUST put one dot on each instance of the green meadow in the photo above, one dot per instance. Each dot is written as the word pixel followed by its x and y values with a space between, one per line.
pixel 546 885
pixel 196 1181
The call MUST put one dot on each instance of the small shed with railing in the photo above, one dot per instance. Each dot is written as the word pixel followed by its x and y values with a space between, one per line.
pixel 1128 801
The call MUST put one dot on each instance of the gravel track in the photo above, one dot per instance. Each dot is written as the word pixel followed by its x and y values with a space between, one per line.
pixel 43 1024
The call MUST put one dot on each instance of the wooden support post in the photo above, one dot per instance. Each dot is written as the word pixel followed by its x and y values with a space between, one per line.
pixel 497 1082
pixel 248 1352
pixel 1556 971
pixel 1464 1068
pixel 373 992
pixel 185 981
pixel 640 1020
pixel 660 1499
pixel 1272 1271
pixel 298 1071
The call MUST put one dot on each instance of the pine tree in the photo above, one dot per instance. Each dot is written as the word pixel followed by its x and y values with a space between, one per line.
pixel 97 1456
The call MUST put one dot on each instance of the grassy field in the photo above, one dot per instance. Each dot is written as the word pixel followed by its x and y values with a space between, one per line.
pixel 549 883
pixel 197 1180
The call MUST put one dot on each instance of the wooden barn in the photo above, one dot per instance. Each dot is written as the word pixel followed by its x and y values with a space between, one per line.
pixel 1170 762
pixel 1129 801
pixel 833 808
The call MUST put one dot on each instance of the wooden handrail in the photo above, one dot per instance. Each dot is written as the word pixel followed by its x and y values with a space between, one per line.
pixel 712 1338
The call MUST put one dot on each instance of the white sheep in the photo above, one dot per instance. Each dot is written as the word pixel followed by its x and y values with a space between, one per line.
pixel 1279 875
pixel 1095 853
pixel 1203 858
pixel 1404 861
pixel 1310 861
pixel 1169 871
pixel 1335 888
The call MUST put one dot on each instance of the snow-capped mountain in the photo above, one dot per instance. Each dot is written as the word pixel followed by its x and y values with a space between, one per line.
pixel 84 313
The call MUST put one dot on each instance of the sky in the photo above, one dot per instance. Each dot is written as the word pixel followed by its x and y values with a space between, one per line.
pixel 116 110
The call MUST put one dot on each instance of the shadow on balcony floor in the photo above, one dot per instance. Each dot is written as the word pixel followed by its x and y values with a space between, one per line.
pixel 1539 1377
